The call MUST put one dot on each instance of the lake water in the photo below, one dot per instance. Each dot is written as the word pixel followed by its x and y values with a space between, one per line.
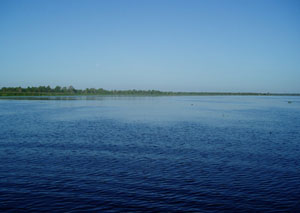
pixel 150 154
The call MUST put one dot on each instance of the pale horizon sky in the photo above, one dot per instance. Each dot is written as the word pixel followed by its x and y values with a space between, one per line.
pixel 168 45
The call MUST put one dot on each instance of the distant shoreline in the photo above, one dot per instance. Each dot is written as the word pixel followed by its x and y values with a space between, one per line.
pixel 148 94
pixel 71 91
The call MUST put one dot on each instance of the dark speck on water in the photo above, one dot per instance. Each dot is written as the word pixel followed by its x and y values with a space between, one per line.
pixel 150 154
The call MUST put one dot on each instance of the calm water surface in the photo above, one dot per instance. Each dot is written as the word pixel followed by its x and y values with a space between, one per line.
pixel 155 154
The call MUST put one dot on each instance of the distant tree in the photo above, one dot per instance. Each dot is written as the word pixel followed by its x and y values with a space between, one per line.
pixel 71 89
pixel 101 91
pixel 64 89
pixel 48 89
pixel 93 90
pixel 42 89
pixel 57 89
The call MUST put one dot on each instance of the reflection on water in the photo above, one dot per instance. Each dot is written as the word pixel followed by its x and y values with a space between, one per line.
pixel 192 154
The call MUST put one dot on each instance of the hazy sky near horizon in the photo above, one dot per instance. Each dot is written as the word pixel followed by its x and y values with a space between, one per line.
pixel 187 45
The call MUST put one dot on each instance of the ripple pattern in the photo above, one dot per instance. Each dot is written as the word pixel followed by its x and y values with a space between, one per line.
pixel 106 164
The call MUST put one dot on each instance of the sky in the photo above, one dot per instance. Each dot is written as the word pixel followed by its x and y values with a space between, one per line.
pixel 168 45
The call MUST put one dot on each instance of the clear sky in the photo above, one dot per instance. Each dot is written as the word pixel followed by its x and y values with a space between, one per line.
pixel 238 46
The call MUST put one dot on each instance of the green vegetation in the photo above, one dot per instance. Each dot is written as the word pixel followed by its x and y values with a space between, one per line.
pixel 68 91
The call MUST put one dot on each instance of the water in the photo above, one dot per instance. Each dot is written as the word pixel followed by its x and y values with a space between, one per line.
pixel 155 154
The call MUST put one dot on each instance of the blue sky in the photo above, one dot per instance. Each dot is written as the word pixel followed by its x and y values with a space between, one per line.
pixel 187 45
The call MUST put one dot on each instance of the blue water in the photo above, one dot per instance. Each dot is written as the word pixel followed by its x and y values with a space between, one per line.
pixel 150 154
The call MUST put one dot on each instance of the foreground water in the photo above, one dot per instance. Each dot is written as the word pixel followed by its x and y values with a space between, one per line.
pixel 158 154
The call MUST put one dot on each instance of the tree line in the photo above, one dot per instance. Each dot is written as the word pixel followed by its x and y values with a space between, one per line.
pixel 58 90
